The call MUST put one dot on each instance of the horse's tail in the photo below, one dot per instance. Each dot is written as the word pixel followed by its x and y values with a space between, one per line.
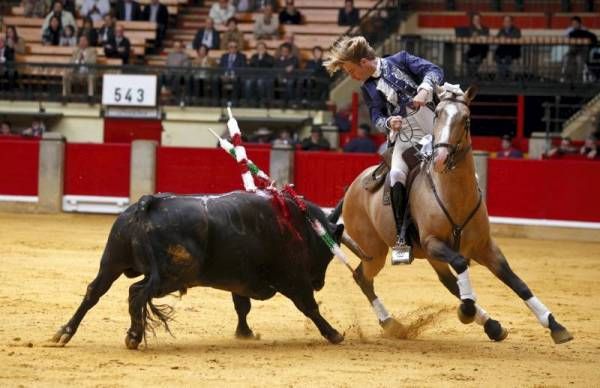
pixel 152 315
pixel 335 214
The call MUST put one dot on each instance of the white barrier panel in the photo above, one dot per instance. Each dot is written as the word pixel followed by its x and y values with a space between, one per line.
pixel 94 204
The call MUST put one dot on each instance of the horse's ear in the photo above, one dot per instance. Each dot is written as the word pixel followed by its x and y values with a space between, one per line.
pixel 471 92
pixel 439 91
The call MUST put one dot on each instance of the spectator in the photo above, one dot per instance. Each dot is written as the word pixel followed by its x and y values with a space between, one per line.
pixel 262 136
pixel 157 13
pixel 221 12
pixel 65 18
pixel 37 129
pixel 348 16
pixel 476 53
pixel 52 33
pixel 576 57
pixel 289 38
pixel 35 8
pixel 361 143
pixel 201 77
pixel 107 31
pixel 507 150
pixel 506 53
pixel 230 62
pixel 288 63
pixel 316 141
pixel 290 15
pixel 176 59
pixel 129 10
pixel 7 71
pixel 245 5
pixel 5 128
pixel 119 46
pixel 232 33
pixel 590 147
pixel 68 37
pixel 83 56
pixel 207 36
pixel 266 26
pixel 14 41
pixel 260 86
pixel 565 148
pixel 284 138
pixel 89 31
pixel 319 82
pixel 95 9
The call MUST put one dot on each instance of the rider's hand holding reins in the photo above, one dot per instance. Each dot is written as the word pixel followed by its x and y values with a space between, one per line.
pixel 394 123
pixel 420 99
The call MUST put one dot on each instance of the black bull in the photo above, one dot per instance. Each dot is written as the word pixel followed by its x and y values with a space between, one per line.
pixel 239 242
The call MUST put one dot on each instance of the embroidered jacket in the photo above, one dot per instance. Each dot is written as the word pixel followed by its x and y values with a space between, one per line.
pixel 396 81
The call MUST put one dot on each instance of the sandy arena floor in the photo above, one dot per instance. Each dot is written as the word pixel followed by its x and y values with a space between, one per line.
pixel 46 263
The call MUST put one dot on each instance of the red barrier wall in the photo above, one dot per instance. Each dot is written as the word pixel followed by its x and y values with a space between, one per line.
pixel 127 130
pixel 546 189
pixel 202 170
pixel 323 176
pixel 97 169
pixel 19 163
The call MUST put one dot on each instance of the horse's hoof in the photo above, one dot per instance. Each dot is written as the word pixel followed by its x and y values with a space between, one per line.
pixel 62 336
pixel 132 341
pixel 245 334
pixel 559 333
pixel 494 330
pixel 466 311
pixel 335 337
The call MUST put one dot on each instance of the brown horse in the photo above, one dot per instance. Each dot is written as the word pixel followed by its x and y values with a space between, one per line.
pixel 451 219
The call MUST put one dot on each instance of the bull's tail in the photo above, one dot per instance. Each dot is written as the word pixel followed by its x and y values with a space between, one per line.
pixel 334 216
pixel 152 315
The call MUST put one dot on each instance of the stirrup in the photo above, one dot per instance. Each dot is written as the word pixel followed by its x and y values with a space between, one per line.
pixel 402 253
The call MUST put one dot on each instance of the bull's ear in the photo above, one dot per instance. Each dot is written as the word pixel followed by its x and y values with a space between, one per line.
pixel 339 231
pixel 471 92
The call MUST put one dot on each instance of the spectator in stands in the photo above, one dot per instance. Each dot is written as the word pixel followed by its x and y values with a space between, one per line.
pixel 319 82
pixel 35 8
pixel 95 9
pixel 288 63
pixel 68 37
pixel 576 57
pixel 118 46
pixel 5 128
pixel 52 33
pixel 107 31
pixel 284 138
pixel 565 148
pixel 289 38
pixel 159 14
pixel 89 31
pixel 348 16
pixel 37 129
pixel 361 143
pixel 232 33
pixel 65 18
pixel 201 77
pixel 221 12
pixel 266 26
pixel 176 59
pixel 245 5
pixel 230 62
pixel 207 36
pixel 129 10
pixel 590 147
pixel 7 70
pixel 262 136
pixel 262 84
pixel 506 53
pixel 290 15
pixel 476 53
pixel 83 56
pixel 316 141
pixel 507 150
pixel 14 41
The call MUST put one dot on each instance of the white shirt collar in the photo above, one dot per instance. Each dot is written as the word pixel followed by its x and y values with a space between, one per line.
pixel 377 72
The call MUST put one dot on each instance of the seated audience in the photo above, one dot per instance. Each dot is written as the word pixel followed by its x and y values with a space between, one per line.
pixel 7 71
pixel 289 38
pixel 37 129
pixel 590 147
pixel 207 36
pixel 107 31
pixel 129 10
pixel 173 78
pixel 159 14
pixel 201 77
pixel 316 141
pixel 52 33
pixel 65 18
pixel 95 9
pixel 290 15
pixel 508 151
pixel 476 53
pixel 361 143
pixel 259 89
pixel 319 82
pixel 348 16
pixel 262 136
pixel 35 8
pixel 288 63
pixel 118 46
pixel 565 148
pixel 246 5
pixel 284 138
pixel 68 37
pixel 88 30
pixel 221 12
pixel 82 56
pixel 266 25
pixel 230 62
pixel 506 53
pixel 5 129
pixel 232 33
pixel 14 41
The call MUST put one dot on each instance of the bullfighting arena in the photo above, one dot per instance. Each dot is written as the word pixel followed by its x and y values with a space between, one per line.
pixel 47 262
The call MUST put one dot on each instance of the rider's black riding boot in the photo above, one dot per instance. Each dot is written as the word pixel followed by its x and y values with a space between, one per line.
pixel 401 252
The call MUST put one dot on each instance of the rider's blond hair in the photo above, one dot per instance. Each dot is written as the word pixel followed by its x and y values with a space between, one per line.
pixel 348 49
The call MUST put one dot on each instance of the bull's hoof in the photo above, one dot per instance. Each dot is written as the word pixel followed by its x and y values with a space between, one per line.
pixel 494 330
pixel 62 336
pixel 558 332
pixel 132 340
pixel 466 311
pixel 335 337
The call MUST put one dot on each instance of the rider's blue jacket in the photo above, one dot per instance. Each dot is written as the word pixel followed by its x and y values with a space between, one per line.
pixel 397 79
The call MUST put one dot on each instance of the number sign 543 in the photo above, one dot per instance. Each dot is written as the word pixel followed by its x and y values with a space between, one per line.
pixel 129 90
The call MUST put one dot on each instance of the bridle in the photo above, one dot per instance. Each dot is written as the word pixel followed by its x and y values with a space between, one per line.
pixel 456 152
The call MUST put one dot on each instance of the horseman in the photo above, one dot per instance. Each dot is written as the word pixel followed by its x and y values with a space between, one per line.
pixel 399 93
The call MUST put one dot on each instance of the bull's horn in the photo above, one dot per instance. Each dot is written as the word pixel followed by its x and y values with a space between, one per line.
pixel 355 248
